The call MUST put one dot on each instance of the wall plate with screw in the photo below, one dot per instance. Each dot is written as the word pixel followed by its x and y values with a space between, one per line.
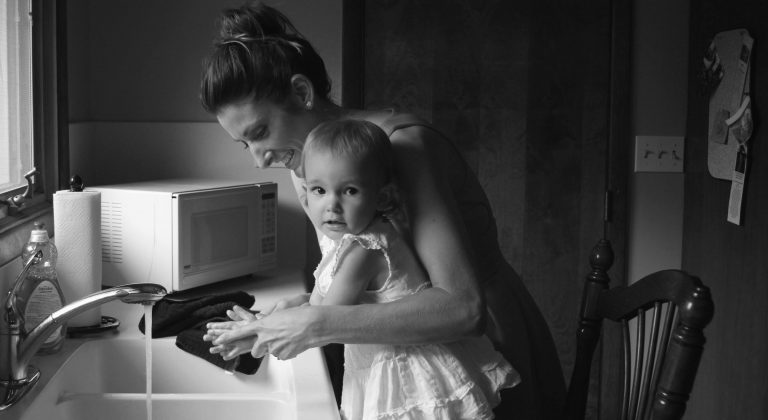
pixel 659 153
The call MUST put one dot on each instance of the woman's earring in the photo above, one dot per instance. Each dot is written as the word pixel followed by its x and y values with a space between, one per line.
pixel 309 105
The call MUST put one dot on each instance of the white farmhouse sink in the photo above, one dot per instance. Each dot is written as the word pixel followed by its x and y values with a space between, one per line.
pixel 105 379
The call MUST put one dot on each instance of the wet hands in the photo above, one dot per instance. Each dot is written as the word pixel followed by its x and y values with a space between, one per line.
pixel 217 332
pixel 280 331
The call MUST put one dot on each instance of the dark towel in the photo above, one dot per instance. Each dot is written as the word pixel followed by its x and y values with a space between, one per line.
pixel 187 320
pixel 171 315
pixel 191 341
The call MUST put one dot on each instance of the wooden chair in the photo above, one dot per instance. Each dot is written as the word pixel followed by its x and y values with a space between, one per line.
pixel 658 374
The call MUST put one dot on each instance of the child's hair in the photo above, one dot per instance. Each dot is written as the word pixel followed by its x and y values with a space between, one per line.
pixel 361 140
pixel 255 55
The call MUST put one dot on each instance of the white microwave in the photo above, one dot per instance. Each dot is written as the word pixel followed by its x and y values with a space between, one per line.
pixel 186 233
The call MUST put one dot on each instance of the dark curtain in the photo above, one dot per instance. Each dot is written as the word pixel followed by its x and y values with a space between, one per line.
pixel 523 88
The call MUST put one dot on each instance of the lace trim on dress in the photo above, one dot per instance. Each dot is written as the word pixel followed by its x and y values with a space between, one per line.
pixel 367 241
pixel 468 402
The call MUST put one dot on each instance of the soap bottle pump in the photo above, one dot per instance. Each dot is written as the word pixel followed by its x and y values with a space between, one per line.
pixel 41 294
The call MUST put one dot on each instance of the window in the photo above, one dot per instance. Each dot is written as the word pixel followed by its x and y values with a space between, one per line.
pixel 33 112
pixel 33 116
pixel 16 112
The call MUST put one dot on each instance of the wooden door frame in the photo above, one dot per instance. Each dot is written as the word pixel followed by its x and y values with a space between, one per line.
pixel 352 53
pixel 618 167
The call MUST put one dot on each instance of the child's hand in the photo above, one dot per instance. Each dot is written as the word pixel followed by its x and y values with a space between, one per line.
pixel 234 349
pixel 229 351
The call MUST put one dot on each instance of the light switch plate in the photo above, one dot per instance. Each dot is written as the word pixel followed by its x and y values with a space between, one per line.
pixel 659 153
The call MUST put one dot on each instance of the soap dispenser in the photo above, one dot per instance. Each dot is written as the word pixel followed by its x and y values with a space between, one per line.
pixel 40 294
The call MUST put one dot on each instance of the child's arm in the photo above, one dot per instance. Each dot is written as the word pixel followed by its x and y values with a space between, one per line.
pixel 355 272
pixel 315 298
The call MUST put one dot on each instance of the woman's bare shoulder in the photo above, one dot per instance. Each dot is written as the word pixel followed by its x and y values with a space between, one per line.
pixel 411 135
pixel 376 116
pixel 390 120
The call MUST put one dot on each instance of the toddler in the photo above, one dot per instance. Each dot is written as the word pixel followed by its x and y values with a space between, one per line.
pixel 353 202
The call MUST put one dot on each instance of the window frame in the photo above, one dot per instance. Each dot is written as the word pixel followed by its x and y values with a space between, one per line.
pixel 50 128
pixel 50 116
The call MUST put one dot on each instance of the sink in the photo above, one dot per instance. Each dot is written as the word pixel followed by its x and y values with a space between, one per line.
pixel 105 379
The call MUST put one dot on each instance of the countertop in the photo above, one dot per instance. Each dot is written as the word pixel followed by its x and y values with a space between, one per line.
pixel 266 289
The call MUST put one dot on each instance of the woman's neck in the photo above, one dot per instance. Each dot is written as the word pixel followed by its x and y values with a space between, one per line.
pixel 327 110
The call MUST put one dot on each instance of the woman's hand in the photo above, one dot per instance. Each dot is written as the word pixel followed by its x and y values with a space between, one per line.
pixel 283 333
pixel 240 336
pixel 281 304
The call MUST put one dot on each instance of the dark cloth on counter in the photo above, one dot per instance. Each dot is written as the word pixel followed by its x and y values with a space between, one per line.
pixel 186 318
pixel 191 341
pixel 171 315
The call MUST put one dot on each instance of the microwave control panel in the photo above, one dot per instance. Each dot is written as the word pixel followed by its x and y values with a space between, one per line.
pixel 268 223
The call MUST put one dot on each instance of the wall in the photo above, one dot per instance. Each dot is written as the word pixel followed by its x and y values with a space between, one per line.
pixel 659 83
pixel 134 71
pixel 731 259
pixel 140 60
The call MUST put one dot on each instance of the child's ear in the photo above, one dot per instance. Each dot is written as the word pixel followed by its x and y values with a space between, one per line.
pixel 386 199
pixel 303 194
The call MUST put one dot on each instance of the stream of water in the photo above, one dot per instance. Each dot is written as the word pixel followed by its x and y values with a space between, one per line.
pixel 148 354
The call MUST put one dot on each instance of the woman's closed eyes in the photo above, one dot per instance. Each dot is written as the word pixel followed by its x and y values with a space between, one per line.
pixel 256 134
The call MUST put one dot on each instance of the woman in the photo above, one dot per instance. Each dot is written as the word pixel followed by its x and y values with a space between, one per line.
pixel 268 89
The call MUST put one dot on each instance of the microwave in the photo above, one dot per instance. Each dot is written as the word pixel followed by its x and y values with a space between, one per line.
pixel 183 234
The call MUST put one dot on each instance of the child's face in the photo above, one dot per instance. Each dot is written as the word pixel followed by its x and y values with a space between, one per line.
pixel 341 197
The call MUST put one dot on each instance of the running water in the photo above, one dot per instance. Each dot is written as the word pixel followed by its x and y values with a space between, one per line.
pixel 148 355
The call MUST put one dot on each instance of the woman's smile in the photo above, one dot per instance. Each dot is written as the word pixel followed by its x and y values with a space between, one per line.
pixel 289 161
pixel 284 159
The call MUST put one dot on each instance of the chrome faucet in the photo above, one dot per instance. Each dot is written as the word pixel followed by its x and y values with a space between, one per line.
pixel 17 346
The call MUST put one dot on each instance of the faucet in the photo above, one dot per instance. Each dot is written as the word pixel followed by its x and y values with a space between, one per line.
pixel 17 346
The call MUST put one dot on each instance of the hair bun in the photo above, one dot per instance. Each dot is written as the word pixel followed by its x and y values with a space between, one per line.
pixel 255 20
pixel 255 55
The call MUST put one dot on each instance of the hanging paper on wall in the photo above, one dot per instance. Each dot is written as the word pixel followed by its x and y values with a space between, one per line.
pixel 730 54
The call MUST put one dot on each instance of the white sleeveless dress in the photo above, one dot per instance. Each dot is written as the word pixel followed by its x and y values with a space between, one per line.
pixel 457 380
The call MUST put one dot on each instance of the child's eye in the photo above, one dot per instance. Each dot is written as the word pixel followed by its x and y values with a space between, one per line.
pixel 317 190
pixel 351 191
pixel 245 145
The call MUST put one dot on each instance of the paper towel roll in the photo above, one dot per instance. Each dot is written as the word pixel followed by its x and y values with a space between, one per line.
pixel 77 234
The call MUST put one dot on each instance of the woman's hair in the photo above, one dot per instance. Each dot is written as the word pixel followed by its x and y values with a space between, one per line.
pixel 255 55
pixel 360 140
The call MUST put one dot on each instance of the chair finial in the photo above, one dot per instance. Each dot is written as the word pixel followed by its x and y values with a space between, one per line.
pixel 601 257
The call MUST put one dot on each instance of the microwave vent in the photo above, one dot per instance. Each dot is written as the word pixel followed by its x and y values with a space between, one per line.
pixel 111 232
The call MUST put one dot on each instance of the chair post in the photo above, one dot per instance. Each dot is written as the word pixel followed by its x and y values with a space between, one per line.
pixel 588 332
pixel 684 353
